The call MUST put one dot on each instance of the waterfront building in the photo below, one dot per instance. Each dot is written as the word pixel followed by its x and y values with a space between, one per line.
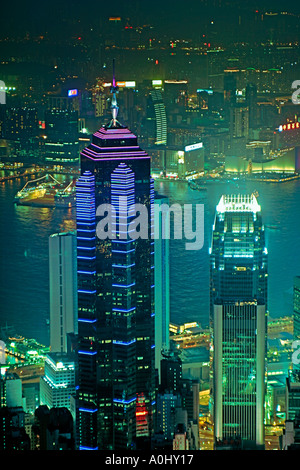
pixel 238 319
pixel 63 289
pixel 116 369
pixel 286 164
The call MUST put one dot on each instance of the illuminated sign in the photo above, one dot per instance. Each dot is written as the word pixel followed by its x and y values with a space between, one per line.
pixel 73 92
pixel 180 156
pixel 188 148
pixel 122 84
pixel 289 126
pixel 156 82
pixel 209 91
pixel 176 81
pixel 130 84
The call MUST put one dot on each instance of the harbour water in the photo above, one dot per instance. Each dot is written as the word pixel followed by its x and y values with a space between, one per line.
pixel 24 232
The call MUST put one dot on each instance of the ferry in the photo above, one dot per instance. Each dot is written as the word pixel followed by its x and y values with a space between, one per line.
pixel 193 185
pixel 30 193
pixel 47 192
pixel 65 199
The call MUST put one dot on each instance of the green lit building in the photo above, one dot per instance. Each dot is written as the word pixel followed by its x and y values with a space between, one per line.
pixel 238 320
pixel 296 306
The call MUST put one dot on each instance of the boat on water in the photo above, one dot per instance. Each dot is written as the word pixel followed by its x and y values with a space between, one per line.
pixel 30 193
pixel 195 186
pixel 65 199
pixel 47 192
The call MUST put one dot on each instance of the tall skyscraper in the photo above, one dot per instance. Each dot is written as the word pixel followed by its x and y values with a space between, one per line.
pixel 296 307
pixel 239 121
pixel 116 372
pixel 162 279
pixel 251 102
pixel 63 289
pixel 160 117
pixel 238 319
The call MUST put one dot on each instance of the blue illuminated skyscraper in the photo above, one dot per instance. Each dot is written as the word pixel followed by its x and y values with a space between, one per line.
pixel 116 371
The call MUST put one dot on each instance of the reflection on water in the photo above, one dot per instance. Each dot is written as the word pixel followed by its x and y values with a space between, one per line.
pixel 280 205
pixel 24 279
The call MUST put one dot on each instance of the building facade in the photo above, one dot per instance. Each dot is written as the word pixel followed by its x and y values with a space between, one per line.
pixel 296 307
pixel 116 372
pixel 58 384
pixel 238 319
pixel 63 289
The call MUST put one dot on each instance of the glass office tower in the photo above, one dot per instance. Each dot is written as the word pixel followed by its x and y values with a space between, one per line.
pixel 296 307
pixel 116 376
pixel 238 320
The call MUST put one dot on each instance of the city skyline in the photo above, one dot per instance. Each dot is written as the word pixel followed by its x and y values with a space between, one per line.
pixel 149 202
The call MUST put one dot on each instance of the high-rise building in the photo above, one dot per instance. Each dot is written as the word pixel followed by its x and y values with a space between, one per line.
pixel 175 94
pixel 58 384
pixel 251 102
pixel 63 289
pixel 239 121
pixel 230 87
pixel 238 319
pixel 296 307
pixel 61 142
pixel 116 370
pixel 20 123
pixel 162 279
pixel 160 117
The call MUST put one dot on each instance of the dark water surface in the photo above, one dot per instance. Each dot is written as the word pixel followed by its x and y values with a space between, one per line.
pixel 24 232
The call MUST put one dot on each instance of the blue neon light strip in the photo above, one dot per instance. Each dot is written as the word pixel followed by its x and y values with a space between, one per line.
pixel 123 241
pixel 124 252
pixel 86 272
pixel 87 448
pixel 124 402
pixel 123 285
pixel 123 265
pixel 87 291
pixel 124 343
pixel 86 238
pixel 125 311
pixel 83 320
pixel 88 353
pixel 88 410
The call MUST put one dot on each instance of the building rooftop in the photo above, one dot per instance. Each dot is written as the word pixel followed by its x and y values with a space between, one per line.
pixel 238 203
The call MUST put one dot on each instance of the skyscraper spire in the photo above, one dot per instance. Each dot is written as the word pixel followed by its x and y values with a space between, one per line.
pixel 114 106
